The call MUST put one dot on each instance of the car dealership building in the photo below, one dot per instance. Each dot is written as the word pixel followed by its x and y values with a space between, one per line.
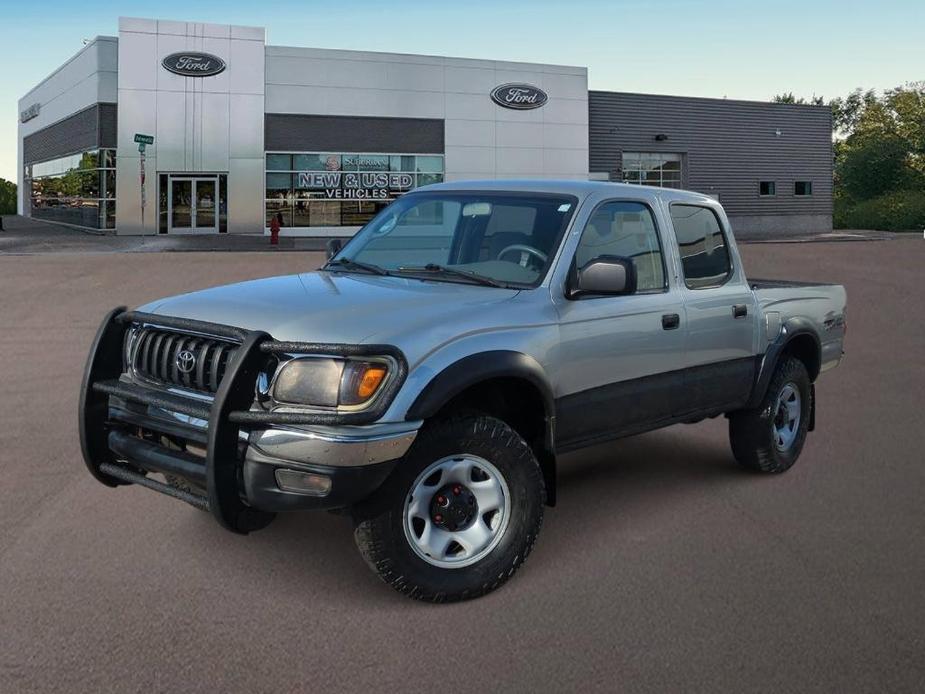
pixel 244 131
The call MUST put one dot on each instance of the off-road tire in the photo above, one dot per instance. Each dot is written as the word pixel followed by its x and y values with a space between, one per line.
pixel 379 530
pixel 751 432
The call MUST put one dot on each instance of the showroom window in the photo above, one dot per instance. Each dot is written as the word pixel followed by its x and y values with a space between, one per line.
pixel 328 189
pixel 78 189
pixel 767 189
pixel 661 169
pixel 802 188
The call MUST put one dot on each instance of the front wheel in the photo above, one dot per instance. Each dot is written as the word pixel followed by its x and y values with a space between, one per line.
pixel 770 438
pixel 459 515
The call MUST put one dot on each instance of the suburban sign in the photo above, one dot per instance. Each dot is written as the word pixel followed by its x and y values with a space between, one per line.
pixel 30 113
pixel 339 185
pixel 518 96
pixel 193 64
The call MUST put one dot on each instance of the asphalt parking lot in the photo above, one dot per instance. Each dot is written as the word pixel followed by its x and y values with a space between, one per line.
pixel 664 567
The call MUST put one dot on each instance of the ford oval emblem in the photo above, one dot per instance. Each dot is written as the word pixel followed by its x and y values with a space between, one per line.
pixel 518 96
pixel 193 64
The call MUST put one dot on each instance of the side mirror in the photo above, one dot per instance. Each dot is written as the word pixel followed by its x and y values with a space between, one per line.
pixel 606 274
pixel 333 248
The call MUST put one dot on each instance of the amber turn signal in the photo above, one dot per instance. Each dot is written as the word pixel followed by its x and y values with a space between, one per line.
pixel 370 382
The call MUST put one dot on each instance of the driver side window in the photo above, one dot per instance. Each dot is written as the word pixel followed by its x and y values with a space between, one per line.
pixel 625 229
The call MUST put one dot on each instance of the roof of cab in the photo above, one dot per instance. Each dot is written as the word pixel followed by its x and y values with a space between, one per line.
pixel 578 188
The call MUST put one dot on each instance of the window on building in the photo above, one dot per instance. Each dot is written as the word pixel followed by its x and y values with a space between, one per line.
pixel 662 169
pixel 625 229
pixel 331 189
pixel 704 254
pixel 78 189
pixel 802 188
pixel 767 188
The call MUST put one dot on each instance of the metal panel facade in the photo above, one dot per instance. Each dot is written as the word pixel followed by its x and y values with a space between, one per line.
pixel 87 129
pixel 286 132
pixel 728 147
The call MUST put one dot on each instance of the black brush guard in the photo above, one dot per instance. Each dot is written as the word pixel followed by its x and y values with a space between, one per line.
pixel 104 443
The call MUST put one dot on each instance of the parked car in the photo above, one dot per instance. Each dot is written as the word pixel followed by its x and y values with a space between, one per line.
pixel 425 380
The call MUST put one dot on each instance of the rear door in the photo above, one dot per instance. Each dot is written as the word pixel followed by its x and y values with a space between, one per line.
pixel 718 355
pixel 619 356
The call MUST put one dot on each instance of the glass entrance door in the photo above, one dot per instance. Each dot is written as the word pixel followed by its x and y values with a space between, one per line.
pixel 192 204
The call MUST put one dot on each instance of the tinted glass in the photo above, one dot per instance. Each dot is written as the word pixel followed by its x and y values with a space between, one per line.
pixel 704 255
pixel 803 188
pixel 625 229
pixel 767 188
pixel 509 238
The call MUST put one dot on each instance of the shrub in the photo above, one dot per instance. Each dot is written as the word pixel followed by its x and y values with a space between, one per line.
pixel 7 197
pixel 903 210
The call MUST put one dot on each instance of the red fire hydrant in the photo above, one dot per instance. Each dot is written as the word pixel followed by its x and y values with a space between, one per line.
pixel 274 231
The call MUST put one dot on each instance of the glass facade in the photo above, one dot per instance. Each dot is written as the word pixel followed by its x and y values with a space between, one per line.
pixel 77 189
pixel 661 169
pixel 326 189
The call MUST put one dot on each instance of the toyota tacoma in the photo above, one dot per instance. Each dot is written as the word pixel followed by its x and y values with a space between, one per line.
pixel 425 380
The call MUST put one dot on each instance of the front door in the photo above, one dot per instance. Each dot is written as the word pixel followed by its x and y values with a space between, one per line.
pixel 620 363
pixel 192 203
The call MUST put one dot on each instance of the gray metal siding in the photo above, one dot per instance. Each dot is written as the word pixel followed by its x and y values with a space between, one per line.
pixel 305 133
pixel 92 127
pixel 728 146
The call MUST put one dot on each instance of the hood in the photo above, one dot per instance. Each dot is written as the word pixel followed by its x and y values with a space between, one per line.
pixel 335 307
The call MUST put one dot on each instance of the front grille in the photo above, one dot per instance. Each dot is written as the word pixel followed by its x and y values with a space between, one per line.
pixel 156 357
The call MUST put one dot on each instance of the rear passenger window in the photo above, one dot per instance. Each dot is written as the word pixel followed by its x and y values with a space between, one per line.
pixel 704 254
pixel 625 229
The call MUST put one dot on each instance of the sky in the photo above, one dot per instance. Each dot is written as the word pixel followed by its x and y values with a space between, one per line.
pixel 718 48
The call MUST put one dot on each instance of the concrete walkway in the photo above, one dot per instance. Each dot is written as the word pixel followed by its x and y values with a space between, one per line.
pixel 25 236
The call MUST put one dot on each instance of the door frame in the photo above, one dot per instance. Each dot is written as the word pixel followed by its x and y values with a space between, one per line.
pixel 193 178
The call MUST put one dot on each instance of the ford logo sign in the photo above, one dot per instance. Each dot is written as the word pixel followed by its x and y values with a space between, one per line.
pixel 193 64
pixel 518 96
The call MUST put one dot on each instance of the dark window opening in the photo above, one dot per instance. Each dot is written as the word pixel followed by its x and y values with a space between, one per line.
pixel 767 188
pixel 704 255
pixel 803 188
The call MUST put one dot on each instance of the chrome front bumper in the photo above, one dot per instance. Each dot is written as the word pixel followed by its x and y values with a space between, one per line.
pixel 346 446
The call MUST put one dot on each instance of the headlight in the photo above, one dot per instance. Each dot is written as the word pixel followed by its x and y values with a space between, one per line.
pixel 325 382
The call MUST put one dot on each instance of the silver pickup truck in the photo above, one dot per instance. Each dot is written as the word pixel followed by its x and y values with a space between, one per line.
pixel 425 380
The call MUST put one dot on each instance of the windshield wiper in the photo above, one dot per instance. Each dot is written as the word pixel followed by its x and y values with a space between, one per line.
pixel 351 264
pixel 444 270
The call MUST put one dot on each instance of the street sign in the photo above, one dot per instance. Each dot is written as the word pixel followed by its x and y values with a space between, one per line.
pixel 144 139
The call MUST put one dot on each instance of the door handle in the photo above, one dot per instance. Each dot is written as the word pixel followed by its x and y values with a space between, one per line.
pixel 670 321
pixel 739 311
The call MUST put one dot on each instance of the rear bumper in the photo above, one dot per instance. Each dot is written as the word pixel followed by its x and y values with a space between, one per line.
pixel 242 465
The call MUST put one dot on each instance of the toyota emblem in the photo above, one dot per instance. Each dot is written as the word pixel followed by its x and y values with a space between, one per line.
pixel 186 361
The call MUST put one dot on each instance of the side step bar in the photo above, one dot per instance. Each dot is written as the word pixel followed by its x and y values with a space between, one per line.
pixel 125 475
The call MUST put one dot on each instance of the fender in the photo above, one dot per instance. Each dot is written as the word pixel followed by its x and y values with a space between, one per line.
pixel 484 366
pixel 792 328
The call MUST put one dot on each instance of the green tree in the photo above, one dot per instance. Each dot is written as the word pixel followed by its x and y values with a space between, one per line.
pixel 7 197
pixel 789 98
pixel 879 142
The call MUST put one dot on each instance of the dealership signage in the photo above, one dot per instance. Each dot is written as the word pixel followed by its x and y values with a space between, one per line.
pixel 193 64
pixel 344 185
pixel 518 96
pixel 30 113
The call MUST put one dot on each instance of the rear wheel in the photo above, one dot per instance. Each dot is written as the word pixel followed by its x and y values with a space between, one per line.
pixel 770 438
pixel 460 513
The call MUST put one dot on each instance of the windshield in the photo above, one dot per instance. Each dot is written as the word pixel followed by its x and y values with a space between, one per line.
pixel 507 239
